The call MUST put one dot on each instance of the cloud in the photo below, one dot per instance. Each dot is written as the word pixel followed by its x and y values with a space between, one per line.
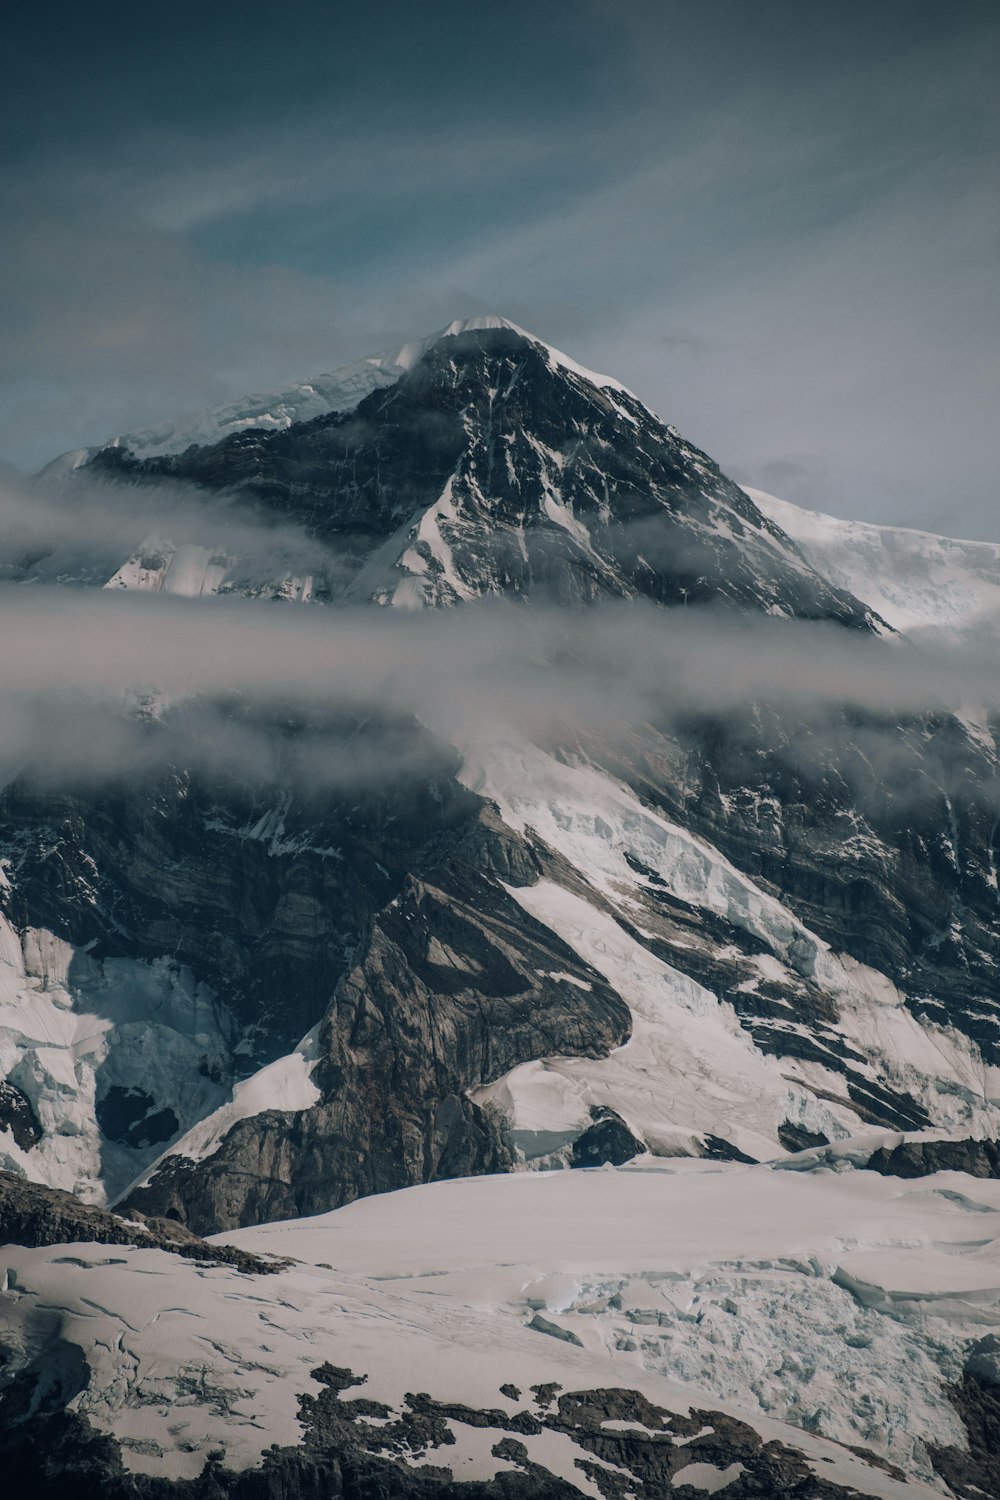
pixel 85 531
pixel 242 690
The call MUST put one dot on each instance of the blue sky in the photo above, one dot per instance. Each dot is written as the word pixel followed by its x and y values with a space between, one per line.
pixel 775 219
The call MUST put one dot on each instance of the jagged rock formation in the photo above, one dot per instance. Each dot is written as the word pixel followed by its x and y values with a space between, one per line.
pixel 608 1139
pixel 977 1158
pixel 383 944
pixel 343 1454
pixel 977 1471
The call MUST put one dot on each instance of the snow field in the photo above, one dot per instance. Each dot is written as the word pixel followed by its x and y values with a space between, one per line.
pixel 913 579
pixel 678 1283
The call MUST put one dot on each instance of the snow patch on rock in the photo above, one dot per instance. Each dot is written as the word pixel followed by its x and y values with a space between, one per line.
pixel 81 1037
pixel 285 1085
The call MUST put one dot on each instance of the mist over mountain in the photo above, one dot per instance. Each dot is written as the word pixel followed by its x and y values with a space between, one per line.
pixel 457 842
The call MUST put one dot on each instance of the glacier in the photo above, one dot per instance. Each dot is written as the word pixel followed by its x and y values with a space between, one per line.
pixel 764 988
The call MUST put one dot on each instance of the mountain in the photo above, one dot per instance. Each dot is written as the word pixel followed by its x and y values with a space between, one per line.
pixel 916 581
pixel 743 957
pixel 488 468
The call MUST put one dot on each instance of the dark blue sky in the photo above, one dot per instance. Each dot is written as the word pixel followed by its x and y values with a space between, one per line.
pixel 775 219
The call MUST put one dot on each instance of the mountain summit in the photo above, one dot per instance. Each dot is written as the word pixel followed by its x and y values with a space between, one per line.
pixel 482 462
pixel 339 391
pixel 744 957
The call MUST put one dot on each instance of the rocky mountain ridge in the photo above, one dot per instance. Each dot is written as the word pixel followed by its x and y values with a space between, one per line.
pixel 692 951
pixel 739 877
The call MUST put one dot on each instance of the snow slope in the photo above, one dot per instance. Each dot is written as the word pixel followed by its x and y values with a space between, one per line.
pixel 839 1303
pixel 913 579
pixel 689 1068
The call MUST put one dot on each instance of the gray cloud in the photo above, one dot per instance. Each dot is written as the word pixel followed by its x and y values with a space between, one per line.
pixel 212 679
pixel 84 531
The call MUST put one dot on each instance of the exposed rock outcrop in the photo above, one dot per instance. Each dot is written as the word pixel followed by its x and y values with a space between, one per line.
pixel 356 1447
pixel 33 1215
pixel 977 1158
pixel 608 1139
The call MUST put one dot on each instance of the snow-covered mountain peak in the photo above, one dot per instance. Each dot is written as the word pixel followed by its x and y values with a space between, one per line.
pixel 555 356
pixel 478 461
pixel 341 390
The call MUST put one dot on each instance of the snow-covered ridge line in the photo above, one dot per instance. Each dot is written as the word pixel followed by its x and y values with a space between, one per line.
pixel 914 579
pixel 342 390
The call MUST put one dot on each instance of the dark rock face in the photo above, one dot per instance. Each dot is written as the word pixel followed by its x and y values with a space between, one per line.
pixel 17 1116
pixel 607 1140
pixel 719 1149
pixel 130 1116
pixel 34 1215
pixel 344 1453
pixel 795 1138
pixel 379 918
pixel 264 895
pixel 921 1158
pixel 976 1472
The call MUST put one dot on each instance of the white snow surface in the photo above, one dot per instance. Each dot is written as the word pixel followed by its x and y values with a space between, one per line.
pixel 837 1302
pixel 285 1085
pixel 340 391
pixel 914 579
pixel 689 1068
pixel 72 1029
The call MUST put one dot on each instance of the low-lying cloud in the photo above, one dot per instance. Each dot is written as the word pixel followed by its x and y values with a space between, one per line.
pixel 85 530
pixel 94 682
